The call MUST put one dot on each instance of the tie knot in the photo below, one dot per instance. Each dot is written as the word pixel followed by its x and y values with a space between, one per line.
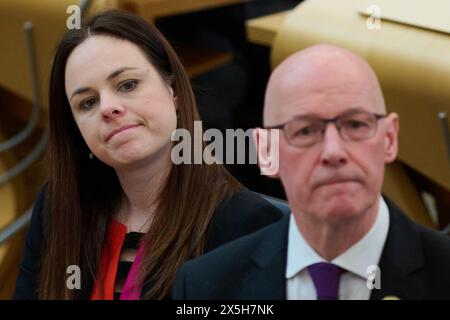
pixel 325 277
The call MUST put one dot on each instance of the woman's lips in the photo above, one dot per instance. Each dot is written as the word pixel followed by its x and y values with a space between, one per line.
pixel 116 131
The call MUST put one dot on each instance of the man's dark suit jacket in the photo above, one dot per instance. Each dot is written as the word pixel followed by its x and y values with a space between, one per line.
pixel 415 264
pixel 237 216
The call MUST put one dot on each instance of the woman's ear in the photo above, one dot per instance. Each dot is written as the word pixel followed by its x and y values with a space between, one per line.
pixel 267 151
pixel 172 91
pixel 174 97
pixel 391 138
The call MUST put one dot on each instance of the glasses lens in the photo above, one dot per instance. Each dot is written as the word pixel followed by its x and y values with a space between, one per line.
pixel 304 132
pixel 357 126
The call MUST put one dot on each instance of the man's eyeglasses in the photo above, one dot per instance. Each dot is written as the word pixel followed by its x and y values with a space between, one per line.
pixel 305 131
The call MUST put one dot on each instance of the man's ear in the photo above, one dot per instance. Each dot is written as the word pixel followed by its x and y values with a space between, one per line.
pixel 391 138
pixel 267 151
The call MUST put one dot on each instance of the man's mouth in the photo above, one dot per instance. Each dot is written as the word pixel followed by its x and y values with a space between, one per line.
pixel 335 181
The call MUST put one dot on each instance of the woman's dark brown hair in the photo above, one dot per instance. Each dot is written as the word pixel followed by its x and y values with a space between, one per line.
pixel 83 194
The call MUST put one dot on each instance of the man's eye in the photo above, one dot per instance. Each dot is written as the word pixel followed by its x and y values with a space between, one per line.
pixel 88 103
pixel 305 131
pixel 355 124
pixel 128 85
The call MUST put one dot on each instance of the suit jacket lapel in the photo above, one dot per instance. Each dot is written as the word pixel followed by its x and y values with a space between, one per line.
pixel 401 263
pixel 269 260
pixel 401 260
pixel 268 281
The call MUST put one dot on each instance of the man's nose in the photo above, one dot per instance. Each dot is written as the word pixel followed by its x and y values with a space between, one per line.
pixel 111 107
pixel 333 151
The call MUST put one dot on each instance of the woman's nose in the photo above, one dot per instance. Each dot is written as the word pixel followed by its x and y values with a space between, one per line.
pixel 111 108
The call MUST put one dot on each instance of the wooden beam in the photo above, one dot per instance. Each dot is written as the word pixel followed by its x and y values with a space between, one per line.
pixel 263 30
pixel 197 61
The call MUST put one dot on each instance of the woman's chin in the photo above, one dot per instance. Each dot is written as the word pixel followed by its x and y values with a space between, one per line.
pixel 126 158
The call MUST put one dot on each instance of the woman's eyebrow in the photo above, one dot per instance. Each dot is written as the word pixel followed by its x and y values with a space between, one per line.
pixel 113 75
pixel 118 71
pixel 79 91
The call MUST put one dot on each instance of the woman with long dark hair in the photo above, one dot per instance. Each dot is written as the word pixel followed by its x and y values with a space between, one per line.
pixel 115 205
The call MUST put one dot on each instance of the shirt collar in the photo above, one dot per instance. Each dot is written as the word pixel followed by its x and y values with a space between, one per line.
pixel 367 251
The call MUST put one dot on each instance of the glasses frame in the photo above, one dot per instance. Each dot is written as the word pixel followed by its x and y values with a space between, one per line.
pixel 334 120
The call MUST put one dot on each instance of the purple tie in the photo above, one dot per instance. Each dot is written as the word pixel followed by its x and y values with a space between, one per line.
pixel 326 280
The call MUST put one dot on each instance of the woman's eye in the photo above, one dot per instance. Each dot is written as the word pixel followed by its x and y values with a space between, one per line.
pixel 128 85
pixel 88 103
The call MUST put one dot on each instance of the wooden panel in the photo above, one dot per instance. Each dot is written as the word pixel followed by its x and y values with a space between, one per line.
pixel 16 197
pixel 263 30
pixel 197 61
pixel 430 14
pixel 151 9
pixel 9 264
pixel 399 187
pixel 14 107
pixel 8 213
pixel 8 201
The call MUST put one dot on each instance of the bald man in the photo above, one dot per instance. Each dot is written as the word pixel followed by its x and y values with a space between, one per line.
pixel 343 240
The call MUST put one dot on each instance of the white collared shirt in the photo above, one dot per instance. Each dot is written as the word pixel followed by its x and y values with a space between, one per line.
pixel 355 260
